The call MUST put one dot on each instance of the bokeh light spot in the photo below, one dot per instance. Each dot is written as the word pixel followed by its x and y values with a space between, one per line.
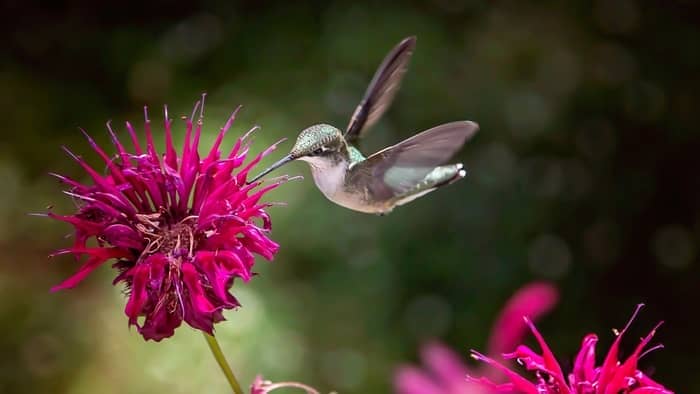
pixel 601 242
pixel 549 256
pixel 617 16
pixel 674 247
pixel 495 165
pixel 149 81
pixel 345 369
pixel 428 316
pixel 527 114
pixel 192 38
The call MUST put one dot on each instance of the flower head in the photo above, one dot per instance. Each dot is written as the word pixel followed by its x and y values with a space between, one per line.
pixel 446 373
pixel 261 386
pixel 180 227
pixel 611 377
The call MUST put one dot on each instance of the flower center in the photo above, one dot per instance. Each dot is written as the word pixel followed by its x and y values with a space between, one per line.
pixel 172 240
pixel 177 240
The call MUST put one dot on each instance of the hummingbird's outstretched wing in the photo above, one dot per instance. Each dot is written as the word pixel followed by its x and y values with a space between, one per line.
pixel 381 89
pixel 398 169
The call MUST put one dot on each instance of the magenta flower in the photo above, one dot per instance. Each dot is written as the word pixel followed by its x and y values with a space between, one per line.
pixel 181 228
pixel 612 377
pixel 445 372
pixel 261 386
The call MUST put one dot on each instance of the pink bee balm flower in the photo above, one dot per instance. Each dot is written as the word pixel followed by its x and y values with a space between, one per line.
pixel 612 377
pixel 180 227
pixel 446 373
pixel 261 386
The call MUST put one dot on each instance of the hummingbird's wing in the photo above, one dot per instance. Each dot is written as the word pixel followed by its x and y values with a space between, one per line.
pixel 381 89
pixel 397 169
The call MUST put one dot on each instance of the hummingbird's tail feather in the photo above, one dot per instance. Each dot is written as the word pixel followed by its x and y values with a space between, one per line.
pixel 451 174
pixel 437 178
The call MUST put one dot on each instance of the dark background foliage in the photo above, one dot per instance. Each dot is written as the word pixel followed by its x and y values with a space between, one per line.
pixel 584 173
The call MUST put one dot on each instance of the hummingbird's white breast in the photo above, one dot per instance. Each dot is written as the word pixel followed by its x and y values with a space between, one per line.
pixel 329 177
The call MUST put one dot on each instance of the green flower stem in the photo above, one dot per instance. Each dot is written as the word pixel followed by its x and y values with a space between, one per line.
pixel 223 364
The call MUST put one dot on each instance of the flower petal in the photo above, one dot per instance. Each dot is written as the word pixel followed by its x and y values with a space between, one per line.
pixel 123 236
pixel 139 294
pixel 445 365
pixel 198 308
pixel 584 364
pixel 549 360
pixel 533 301
pixel 97 257
pixel 518 382
pixel 410 380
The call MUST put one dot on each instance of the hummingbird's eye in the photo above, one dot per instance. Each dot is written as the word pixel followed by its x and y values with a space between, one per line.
pixel 318 151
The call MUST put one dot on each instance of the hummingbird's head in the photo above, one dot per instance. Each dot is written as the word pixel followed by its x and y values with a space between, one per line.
pixel 317 143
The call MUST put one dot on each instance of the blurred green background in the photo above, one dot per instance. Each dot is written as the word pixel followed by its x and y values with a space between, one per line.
pixel 585 173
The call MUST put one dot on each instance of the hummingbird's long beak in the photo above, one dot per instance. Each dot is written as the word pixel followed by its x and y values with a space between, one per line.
pixel 279 163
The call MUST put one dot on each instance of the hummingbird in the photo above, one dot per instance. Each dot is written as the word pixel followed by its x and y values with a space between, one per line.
pixel 393 176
